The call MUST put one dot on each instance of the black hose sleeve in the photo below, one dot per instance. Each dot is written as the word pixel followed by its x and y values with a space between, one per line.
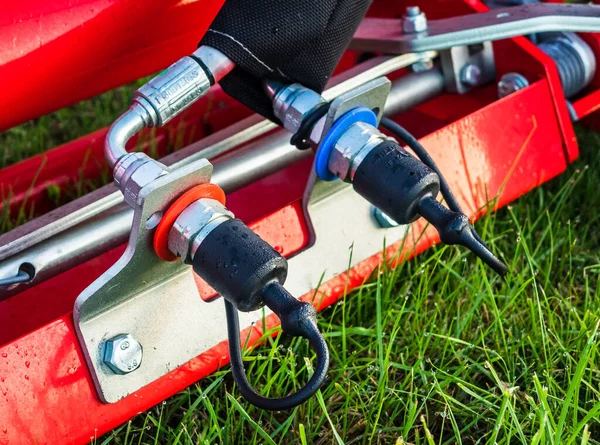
pixel 293 41
pixel 238 264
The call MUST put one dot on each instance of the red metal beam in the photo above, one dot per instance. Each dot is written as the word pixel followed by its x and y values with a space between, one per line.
pixel 47 392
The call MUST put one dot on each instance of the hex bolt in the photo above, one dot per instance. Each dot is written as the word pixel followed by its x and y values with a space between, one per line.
pixel 470 75
pixel 122 354
pixel 414 20
pixel 511 83
pixel 384 221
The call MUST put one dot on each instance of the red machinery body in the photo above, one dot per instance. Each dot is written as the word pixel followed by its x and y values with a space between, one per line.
pixel 485 147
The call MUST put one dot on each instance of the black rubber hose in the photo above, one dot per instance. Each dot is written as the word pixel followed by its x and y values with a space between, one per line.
pixel 297 319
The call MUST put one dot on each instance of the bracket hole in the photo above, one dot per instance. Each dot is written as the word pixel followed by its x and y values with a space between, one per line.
pixel 153 220
pixel 503 15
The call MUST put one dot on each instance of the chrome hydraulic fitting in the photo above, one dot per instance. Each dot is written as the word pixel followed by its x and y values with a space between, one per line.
pixel 159 101
pixel 402 187
pixel 351 148
pixel 133 172
pixel 194 224
pixel 292 103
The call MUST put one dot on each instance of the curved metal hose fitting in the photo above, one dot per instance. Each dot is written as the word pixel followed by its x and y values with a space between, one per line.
pixel 123 129
pixel 167 95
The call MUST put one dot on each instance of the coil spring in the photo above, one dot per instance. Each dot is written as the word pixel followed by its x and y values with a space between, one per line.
pixel 575 66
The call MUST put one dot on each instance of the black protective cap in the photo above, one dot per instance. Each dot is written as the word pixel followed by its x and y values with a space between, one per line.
pixel 298 41
pixel 238 264
pixel 394 181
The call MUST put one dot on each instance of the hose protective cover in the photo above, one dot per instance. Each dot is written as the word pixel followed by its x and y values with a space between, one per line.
pixel 238 264
pixel 291 41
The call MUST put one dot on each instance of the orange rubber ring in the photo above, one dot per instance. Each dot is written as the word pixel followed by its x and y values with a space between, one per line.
pixel 161 236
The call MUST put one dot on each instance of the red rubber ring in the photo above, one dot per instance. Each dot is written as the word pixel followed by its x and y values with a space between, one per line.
pixel 161 236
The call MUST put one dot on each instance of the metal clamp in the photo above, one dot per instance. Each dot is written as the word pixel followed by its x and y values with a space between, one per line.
pixel 386 35
pixel 145 297
pixel 146 300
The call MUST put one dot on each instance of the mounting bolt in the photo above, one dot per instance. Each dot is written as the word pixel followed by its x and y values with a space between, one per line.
pixel 470 75
pixel 122 354
pixel 384 221
pixel 414 20
pixel 511 83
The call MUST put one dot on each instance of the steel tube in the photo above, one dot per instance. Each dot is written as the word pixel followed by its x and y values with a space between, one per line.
pixel 259 159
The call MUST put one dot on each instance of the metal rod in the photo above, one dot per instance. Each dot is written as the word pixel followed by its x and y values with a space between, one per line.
pixel 259 159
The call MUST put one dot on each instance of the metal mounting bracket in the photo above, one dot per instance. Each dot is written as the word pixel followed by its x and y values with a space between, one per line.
pixel 150 300
pixel 385 35
pixel 145 297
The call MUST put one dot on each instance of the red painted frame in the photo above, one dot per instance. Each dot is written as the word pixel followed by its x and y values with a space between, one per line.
pixel 46 392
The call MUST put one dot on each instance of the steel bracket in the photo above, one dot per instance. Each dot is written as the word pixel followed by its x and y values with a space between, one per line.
pixel 385 35
pixel 151 300
pixel 145 297
pixel 456 59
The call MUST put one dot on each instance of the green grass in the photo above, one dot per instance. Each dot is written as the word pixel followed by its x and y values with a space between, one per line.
pixel 439 350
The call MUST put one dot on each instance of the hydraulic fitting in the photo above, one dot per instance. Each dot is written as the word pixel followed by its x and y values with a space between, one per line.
pixel 380 170
pixel 247 272
pixel 133 172
pixel 167 95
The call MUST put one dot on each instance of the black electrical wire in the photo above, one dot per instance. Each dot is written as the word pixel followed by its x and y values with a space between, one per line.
pixel 401 133
pixel 297 319
pixel 454 228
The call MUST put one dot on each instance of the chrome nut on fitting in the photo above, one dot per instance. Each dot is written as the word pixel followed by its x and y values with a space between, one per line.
pixel 133 172
pixel 292 103
pixel 194 224
pixel 352 148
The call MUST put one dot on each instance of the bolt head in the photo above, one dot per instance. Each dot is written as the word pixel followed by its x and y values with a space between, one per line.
pixel 122 354
pixel 511 83
pixel 413 11
pixel 414 21
pixel 383 220
pixel 470 75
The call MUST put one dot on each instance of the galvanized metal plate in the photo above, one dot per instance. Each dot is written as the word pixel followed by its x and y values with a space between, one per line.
pixel 148 298
pixel 158 302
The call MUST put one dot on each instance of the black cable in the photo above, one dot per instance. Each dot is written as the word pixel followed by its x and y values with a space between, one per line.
pixel 453 228
pixel 401 133
pixel 297 319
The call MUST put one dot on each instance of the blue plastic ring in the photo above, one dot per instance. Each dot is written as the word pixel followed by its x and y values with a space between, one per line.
pixel 360 114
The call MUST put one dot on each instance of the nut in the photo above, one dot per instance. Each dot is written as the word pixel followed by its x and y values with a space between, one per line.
pixel 196 221
pixel 292 103
pixel 414 20
pixel 511 83
pixel 137 176
pixel 122 354
pixel 470 75
pixel 351 148
pixel 383 220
